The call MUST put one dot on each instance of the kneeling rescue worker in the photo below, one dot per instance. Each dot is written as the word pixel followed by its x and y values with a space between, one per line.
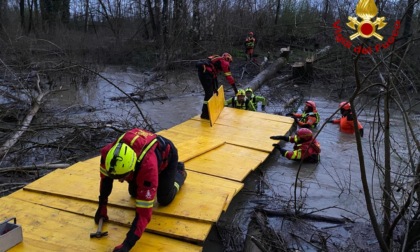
pixel 306 147
pixel 149 163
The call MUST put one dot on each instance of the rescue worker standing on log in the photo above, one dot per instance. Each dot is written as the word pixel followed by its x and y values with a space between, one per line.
pixel 309 118
pixel 240 101
pixel 346 120
pixel 255 99
pixel 306 147
pixel 149 163
pixel 250 45
pixel 207 73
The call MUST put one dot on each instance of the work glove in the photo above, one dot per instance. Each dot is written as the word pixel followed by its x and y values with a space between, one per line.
pixel 121 248
pixel 102 210
pixel 284 138
pixel 282 151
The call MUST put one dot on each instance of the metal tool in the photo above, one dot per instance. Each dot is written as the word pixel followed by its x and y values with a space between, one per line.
pixel 99 232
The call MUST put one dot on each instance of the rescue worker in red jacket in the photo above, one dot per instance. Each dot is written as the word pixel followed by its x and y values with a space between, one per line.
pixel 306 147
pixel 346 120
pixel 207 73
pixel 250 42
pixel 309 118
pixel 149 163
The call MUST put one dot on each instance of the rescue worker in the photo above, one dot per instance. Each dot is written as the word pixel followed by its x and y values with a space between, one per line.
pixel 309 118
pixel 240 101
pixel 255 99
pixel 346 120
pixel 250 42
pixel 149 163
pixel 207 73
pixel 306 147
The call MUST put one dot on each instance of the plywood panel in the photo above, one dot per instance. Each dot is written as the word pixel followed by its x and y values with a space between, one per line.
pixel 216 104
pixel 204 202
pixel 170 226
pixel 228 161
pixel 56 230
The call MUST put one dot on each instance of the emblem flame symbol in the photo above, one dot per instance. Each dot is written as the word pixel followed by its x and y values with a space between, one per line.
pixel 366 10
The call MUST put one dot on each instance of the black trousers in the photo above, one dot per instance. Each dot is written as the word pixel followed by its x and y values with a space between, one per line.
pixel 209 84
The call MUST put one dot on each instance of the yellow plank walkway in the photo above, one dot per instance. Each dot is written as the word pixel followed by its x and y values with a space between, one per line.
pixel 56 211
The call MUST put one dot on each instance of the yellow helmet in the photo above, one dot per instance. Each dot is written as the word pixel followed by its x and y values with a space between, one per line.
pixel 120 160
pixel 240 92
pixel 249 90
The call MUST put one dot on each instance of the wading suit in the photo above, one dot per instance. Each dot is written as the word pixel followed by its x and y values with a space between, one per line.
pixel 155 173
pixel 307 151
pixel 207 73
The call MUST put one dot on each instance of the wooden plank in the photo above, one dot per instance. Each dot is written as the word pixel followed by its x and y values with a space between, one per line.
pixel 204 202
pixel 197 146
pixel 223 162
pixel 185 229
pixel 57 230
pixel 225 186
pixel 216 104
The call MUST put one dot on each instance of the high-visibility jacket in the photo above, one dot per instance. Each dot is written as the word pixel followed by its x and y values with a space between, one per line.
pixel 257 98
pixel 250 42
pixel 245 105
pixel 152 158
pixel 346 124
pixel 307 120
pixel 307 151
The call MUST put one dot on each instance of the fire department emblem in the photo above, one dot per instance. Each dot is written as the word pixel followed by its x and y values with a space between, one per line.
pixel 366 10
pixel 148 195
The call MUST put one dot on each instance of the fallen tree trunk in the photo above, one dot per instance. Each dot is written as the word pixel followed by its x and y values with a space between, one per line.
pixel 26 122
pixel 267 74
pixel 33 167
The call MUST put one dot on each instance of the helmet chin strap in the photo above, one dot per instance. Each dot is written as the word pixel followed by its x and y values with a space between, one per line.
pixel 115 159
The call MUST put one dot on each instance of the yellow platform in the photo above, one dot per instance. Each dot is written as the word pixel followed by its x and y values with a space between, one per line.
pixel 56 211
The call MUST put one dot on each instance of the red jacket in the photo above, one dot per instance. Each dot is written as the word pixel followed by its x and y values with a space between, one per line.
pixel 145 175
pixel 219 64
pixel 307 151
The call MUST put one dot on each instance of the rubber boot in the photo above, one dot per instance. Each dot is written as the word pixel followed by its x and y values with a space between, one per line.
pixel 205 112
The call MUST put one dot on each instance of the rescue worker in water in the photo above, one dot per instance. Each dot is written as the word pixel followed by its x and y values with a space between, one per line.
pixel 306 147
pixel 346 120
pixel 149 163
pixel 309 118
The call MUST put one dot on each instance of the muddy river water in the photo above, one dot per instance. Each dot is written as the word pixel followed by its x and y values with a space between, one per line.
pixel 331 188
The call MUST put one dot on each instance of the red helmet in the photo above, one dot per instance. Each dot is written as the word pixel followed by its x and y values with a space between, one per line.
pixel 227 57
pixel 345 105
pixel 251 34
pixel 311 104
pixel 304 135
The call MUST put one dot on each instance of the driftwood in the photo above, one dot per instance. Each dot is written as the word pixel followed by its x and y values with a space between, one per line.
pixel 26 122
pixel 33 167
pixel 307 216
